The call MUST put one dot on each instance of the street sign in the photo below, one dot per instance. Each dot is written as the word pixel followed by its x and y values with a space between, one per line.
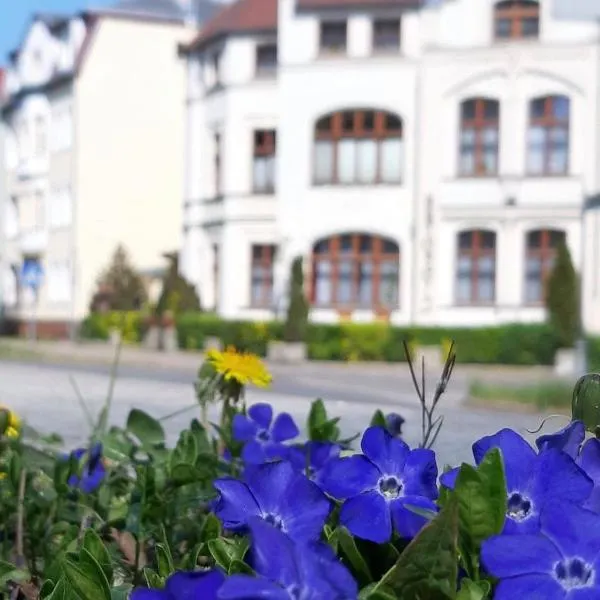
pixel 31 274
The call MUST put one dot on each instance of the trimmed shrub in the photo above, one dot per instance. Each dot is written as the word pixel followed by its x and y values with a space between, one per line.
pixel 97 326
pixel 296 321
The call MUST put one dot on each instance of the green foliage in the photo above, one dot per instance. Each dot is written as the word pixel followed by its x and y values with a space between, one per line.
pixel 543 395
pixel 97 326
pixel 178 295
pixel 296 321
pixel 120 287
pixel 562 298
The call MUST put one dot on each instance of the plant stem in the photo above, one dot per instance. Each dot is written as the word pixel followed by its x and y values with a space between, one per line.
pixel 21 518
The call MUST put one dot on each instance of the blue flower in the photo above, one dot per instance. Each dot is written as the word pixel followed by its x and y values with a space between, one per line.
pixel 380 485
pixel 277 493
pixel 568 439
pixel 589 461
pixel 312 458
pixel 262 437
pixel 288 571
pixel 393 423
pixel 561 562
pixel 531 479
pixel 185 586
pixel 92 471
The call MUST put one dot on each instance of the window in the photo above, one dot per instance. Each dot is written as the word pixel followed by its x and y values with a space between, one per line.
pixel 333 37
pixel 59 282
pixel 479 137
pixel 386 35
pixel 356 271
pixel 358 147
pixel 516 19
pixel 540 253
pixel 261 288
pixel 548 136
pixel 217 163
pixel 215 62
pixel 266 60
pixel 476 267
pixel 41 137
pixel 263 173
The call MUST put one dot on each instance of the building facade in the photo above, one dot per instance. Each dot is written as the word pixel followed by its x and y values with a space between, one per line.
pixel 94 119
pixel 425 161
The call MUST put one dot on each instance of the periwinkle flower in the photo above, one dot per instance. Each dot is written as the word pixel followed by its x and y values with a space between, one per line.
pixel 532 479
pixel 568 439
pixel 560 562
pixel 312 458
pixel 288 571
pixel 394 423
pixel 263 437
pixel 277 493
pixel 194 585
pixel 589 461
pixel 92 471
pixel 379 487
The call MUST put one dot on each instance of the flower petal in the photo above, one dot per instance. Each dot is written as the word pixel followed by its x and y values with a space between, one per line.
pixel 253 453
pixel 448 479
pixel 367 516
pixel 530 587
pixel 196 584
pixel 284 428
pixel 90 482
pixel 407 522
pixel 519 457
pixel 320 453
pixel 589 459
pixel 269 482
pixel 420 474
pixel 349 476
pixel 245 587
pixel 573 529
pixel 262 414
pixel 568 439
pixel 236 503
pixel 386 452
pixel 243 428
pixel 514 555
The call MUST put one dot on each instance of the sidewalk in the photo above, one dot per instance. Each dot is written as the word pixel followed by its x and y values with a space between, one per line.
pixel 103 354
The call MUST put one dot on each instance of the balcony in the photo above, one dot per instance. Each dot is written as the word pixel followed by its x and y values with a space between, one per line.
pixel 34 241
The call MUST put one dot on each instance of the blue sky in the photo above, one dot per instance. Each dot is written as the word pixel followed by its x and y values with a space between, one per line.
pixel 15 14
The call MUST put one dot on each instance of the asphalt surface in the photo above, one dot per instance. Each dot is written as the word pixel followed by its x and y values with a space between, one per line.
pixel 44 395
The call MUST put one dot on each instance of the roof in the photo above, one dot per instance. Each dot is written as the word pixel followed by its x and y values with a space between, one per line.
pixel 159 10
pixel 318 4
pixel 52 20
pixel 243 16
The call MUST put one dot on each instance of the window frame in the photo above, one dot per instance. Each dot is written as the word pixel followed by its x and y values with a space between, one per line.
pixel 386 49
pixel 332 50
pixel 475 252
pixel 265 260
pixel 545 254
pixel 548 122
pixel 516 12
pixel 376 257
pixel 265 150
pixel 479 124
pixel 379 133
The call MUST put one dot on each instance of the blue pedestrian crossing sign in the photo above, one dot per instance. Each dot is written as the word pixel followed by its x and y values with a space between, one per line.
pixel 31 274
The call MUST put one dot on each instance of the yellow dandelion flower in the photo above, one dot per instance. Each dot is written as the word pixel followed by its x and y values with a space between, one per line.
pixel 242 367
pixel 14 423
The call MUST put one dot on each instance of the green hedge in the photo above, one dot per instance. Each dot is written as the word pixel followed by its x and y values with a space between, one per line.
pixel 508 344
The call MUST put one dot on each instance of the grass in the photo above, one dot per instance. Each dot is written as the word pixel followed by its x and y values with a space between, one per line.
pixel 540 395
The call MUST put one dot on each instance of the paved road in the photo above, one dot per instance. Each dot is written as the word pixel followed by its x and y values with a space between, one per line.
pixel 45 398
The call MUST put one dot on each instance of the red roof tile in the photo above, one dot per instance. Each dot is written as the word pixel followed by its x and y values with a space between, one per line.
pixel 315 4
pixel 243 16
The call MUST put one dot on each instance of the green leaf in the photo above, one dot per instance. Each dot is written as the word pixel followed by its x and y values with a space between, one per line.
pixel 239 567
pixel 145 428
pixel 317 417
pixel 61 591
pixel 373 592
pixel 95 546
pixel 116 446
pixel 469 590
pixel 585 405
pixel 225 550
pixel 359 565
pixel 378 419
pixel 121 592
pixel 211 529
pixel 153 579
pixel 10 572
pixel 481 496
pixel 186 450
pixel 183 474
pixel 86 576
pixel 164 560
pixel 428 567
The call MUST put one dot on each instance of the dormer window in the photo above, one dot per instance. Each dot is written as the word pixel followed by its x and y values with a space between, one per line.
pixel 266 60
pixel 333 37
pixel 516 19
pixel 386 35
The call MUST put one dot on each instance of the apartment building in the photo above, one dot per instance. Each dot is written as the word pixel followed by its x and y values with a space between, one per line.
pixel 94 123
pixel 425 159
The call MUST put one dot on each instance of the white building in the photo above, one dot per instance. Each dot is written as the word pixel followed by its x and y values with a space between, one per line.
pixel 94 119
pixel 425 161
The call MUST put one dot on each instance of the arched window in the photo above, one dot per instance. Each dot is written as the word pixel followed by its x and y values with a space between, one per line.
pixel 356 271
pixel 540 253
pixel 479 137
pixel 514 19
pixel 548 136
pixel 476 267
pixel 358 147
